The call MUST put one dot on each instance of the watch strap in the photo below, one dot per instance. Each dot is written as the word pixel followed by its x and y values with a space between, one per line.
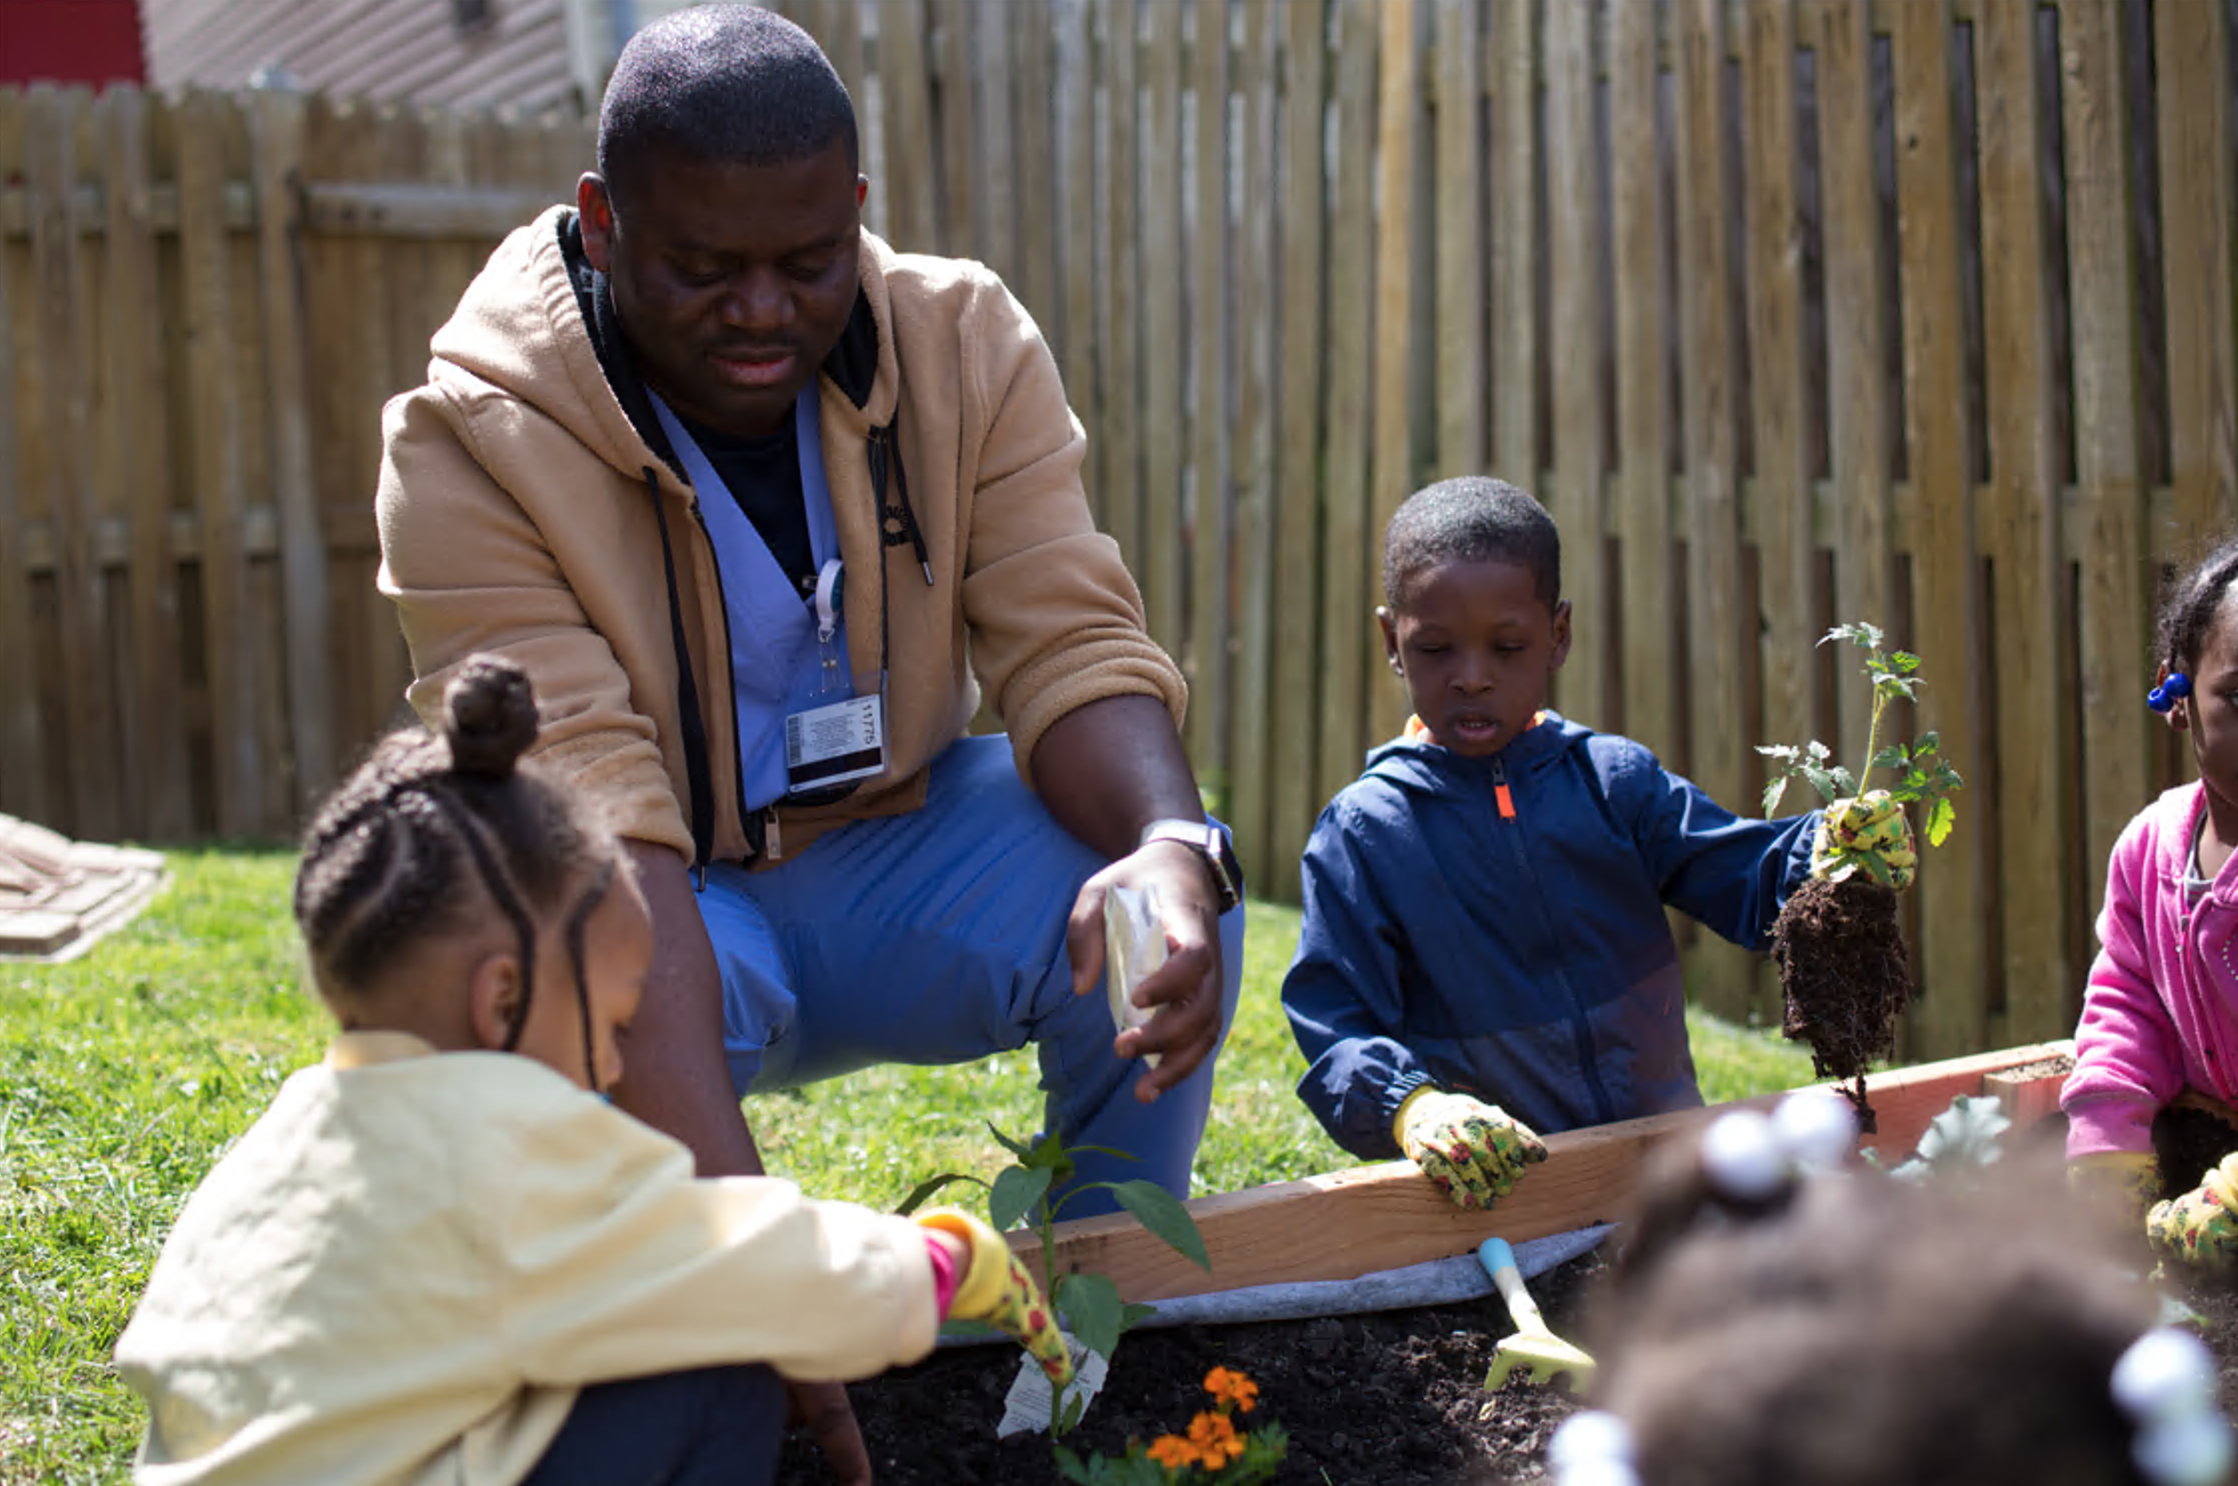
pixel 1207 841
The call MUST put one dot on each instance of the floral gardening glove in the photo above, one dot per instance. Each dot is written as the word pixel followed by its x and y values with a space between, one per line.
pixel 997 1290
pixel 1474 1150
pixel 1868 833
pixel 2200 1227
pixel 2121 1183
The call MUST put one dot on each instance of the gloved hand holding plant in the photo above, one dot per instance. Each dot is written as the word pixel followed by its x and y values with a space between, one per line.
pixel 2200 1227
pixel 1475 1151
pixel 1869 833
pixel 1843 966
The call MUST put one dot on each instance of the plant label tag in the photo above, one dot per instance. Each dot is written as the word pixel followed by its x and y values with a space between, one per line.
pixel 1025 1409
pixel 835 744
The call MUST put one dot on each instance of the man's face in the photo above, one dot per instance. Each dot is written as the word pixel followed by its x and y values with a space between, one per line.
pixel 732 281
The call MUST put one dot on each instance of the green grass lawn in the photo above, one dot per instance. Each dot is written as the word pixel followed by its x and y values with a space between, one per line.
pixel 124 1075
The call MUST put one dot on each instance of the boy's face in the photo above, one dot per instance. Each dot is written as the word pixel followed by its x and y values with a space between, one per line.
pixel 1477 647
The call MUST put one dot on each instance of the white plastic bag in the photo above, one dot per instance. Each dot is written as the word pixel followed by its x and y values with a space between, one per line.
pixel 1134 940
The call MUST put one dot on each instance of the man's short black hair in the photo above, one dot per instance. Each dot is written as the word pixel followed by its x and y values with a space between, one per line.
pixel 732 83
pixel 1472 519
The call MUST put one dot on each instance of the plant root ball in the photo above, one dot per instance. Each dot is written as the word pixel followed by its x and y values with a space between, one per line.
pixel 1847 976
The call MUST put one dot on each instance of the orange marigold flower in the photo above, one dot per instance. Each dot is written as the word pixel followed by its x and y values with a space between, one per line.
pixel 1231 1387
pixel 1172 1451
pixel 1215 1440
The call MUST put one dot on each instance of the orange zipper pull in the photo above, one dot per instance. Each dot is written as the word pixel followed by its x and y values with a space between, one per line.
pixel 1500 791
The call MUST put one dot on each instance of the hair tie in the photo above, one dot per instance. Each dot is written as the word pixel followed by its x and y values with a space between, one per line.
pixel 2164 697
pixel 1750 1156
pixel 2166 1383
pixel 1593 1448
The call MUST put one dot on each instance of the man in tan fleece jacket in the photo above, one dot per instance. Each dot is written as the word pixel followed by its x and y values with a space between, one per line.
pixel 762 506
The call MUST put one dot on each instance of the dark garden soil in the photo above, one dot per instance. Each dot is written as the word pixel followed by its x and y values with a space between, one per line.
pixel 1846 975
pixel 1389 1399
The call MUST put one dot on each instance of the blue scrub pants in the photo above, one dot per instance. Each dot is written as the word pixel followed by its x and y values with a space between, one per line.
pixel 713 1426
pixel 939 937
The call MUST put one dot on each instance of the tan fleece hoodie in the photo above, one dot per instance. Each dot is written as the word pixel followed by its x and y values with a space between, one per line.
pixel 516 512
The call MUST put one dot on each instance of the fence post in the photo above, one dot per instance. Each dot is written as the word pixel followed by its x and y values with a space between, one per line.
pixel 306 600
pixel 23 755
pixel 1950 1016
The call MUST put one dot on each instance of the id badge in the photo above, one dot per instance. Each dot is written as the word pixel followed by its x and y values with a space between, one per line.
pixel 835 744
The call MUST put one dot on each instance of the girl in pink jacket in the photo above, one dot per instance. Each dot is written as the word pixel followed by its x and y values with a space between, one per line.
pixel 2161 1011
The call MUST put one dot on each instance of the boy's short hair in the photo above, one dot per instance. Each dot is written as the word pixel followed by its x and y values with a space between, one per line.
pixel 731 83
pixel 1472 519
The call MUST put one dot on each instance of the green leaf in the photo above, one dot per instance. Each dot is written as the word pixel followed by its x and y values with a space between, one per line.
pixel 1772 793
pixel 1069 1466
pixel 1132 1315
pixel 1966 1134
pixel 1941 816
pixel 1893 758
pixel 1843 781
pixel 1946 778
pixel 1927 743
pixel 1091 1303
pixel 1160 1212
pixel 1822 781
pixel 1905 661
pixel 1018 1148
pixel 1104 1150
pixel 930 1185
pixel 1874 867
pixel 1016 1190
pixel 1076 1404
pixel 1818 751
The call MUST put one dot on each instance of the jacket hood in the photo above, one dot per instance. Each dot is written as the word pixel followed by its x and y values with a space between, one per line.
pixel 1427 768
pixel 538 323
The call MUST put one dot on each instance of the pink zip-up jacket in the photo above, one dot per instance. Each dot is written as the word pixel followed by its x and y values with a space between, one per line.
pixel 2161 1012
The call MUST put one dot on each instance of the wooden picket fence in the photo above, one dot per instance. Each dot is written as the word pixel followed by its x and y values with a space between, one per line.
pixel 1793 311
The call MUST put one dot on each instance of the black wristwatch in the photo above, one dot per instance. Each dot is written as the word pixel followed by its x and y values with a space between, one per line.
pixel 1208 841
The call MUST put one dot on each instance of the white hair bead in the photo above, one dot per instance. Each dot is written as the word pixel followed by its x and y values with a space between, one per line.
pixel 1591 1434
pixel 1817 1128
pixel 2192 1451
pixel 2166 1382
pixel 1592 1448
pixel 1742 1154
pixel 2165 1374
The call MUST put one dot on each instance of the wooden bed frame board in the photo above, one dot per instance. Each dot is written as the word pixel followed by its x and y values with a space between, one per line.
pixel 1368 1218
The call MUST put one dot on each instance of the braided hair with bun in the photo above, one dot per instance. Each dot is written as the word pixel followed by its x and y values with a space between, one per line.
pixel 433 829
pixel 2188 613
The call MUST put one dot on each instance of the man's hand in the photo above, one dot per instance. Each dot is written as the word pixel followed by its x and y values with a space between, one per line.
pixel 1186 989
pixel 1474 1150
pixel 1106 770
pixel 2201 1227
pixel 823 1410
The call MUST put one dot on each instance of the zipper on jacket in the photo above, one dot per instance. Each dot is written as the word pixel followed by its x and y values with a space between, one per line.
pixel 1581 1020
pixel 897 523
pixel 696 773
pixel 757 840
pixel 1500 793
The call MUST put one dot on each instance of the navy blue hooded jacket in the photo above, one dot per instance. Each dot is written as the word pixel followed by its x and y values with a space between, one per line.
pixel 1523 959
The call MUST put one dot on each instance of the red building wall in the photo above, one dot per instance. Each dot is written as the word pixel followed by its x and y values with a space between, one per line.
pixel 74 41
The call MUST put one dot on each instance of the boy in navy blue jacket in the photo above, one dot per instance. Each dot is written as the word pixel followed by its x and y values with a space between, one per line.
pixel 1484 952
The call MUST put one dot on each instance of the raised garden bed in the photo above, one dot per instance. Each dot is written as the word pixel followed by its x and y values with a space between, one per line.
pixel 1391 1397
